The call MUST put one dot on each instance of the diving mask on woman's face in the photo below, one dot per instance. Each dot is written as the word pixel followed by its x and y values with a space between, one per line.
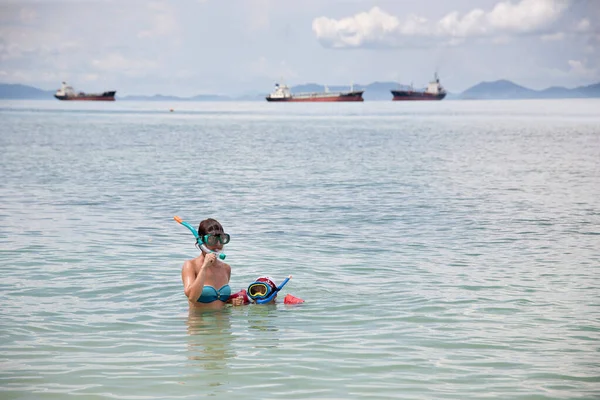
pixel 213 238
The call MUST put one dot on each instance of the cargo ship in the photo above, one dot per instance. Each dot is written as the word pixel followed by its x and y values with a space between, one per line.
pixel 434 91
pixel 283 93
pixel 66 92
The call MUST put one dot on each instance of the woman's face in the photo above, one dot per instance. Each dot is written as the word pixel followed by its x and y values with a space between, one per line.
pixel 215 241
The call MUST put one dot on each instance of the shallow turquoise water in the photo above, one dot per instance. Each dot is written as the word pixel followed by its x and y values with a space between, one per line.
pixel 445 251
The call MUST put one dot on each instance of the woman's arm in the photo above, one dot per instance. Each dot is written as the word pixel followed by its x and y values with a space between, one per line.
pixel 192 283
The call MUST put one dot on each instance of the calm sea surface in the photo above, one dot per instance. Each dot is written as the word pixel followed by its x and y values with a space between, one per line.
pixel 448 250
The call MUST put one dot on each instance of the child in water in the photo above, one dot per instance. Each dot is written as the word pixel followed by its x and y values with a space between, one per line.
pixel 263 291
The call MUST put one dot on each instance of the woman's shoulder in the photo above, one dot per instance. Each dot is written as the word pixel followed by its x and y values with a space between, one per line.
pixel 191 263
pixel 227 268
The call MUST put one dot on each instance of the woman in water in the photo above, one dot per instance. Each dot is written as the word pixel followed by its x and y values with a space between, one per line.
pixel 206 278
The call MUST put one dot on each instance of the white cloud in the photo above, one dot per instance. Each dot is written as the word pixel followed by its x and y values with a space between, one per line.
pixel 20 41
pixel 258 12
pixel 526 16
pixel 377 28
pixel 583 25
pixel 262 67
pixel 502 39
pixel 553 37
pixel 30 76
pixel 162 21
pixel 28 15
pixel 579 68
pixel 90 77
pixel 374 28
pixel 116 62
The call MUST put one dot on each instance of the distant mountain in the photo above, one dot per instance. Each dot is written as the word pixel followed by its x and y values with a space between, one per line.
pixel 558 92
pixel 17 91
pixel 504 89
pixel 590 90
pixel 210 97
pixel 252 97
pixel 501 89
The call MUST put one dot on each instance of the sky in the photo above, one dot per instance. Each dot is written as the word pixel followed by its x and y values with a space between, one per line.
pixel 237 47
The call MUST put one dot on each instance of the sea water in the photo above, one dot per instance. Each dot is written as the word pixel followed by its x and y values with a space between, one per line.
pixel 445 250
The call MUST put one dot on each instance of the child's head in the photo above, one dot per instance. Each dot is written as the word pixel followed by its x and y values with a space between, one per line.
pixel 262 288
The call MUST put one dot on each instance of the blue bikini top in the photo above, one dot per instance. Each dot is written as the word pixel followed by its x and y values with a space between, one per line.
pixel 210 294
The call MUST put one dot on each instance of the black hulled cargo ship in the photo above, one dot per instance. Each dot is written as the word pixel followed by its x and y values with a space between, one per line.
pixel 67 92
pixel 434 91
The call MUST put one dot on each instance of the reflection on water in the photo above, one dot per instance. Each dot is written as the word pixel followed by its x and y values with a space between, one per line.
pixel 210 338
pixel 262 322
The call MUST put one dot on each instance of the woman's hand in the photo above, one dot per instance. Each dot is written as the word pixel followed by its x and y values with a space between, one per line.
pixel 209 260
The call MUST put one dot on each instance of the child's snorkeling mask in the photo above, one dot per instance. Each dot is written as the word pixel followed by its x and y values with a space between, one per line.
pixel 223 238
pixel 263 290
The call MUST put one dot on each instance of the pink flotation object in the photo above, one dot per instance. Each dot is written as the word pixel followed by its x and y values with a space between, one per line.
pixel 289 299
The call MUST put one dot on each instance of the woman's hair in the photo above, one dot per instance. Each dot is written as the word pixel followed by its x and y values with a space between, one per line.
pixel 210 226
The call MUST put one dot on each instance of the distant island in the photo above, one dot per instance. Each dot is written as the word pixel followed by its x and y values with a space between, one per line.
pixel 497 90
pixel 504 89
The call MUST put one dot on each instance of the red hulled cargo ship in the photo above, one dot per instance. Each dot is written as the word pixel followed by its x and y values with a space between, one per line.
pixel 66 92
pixel 434 91
pixel 283 93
